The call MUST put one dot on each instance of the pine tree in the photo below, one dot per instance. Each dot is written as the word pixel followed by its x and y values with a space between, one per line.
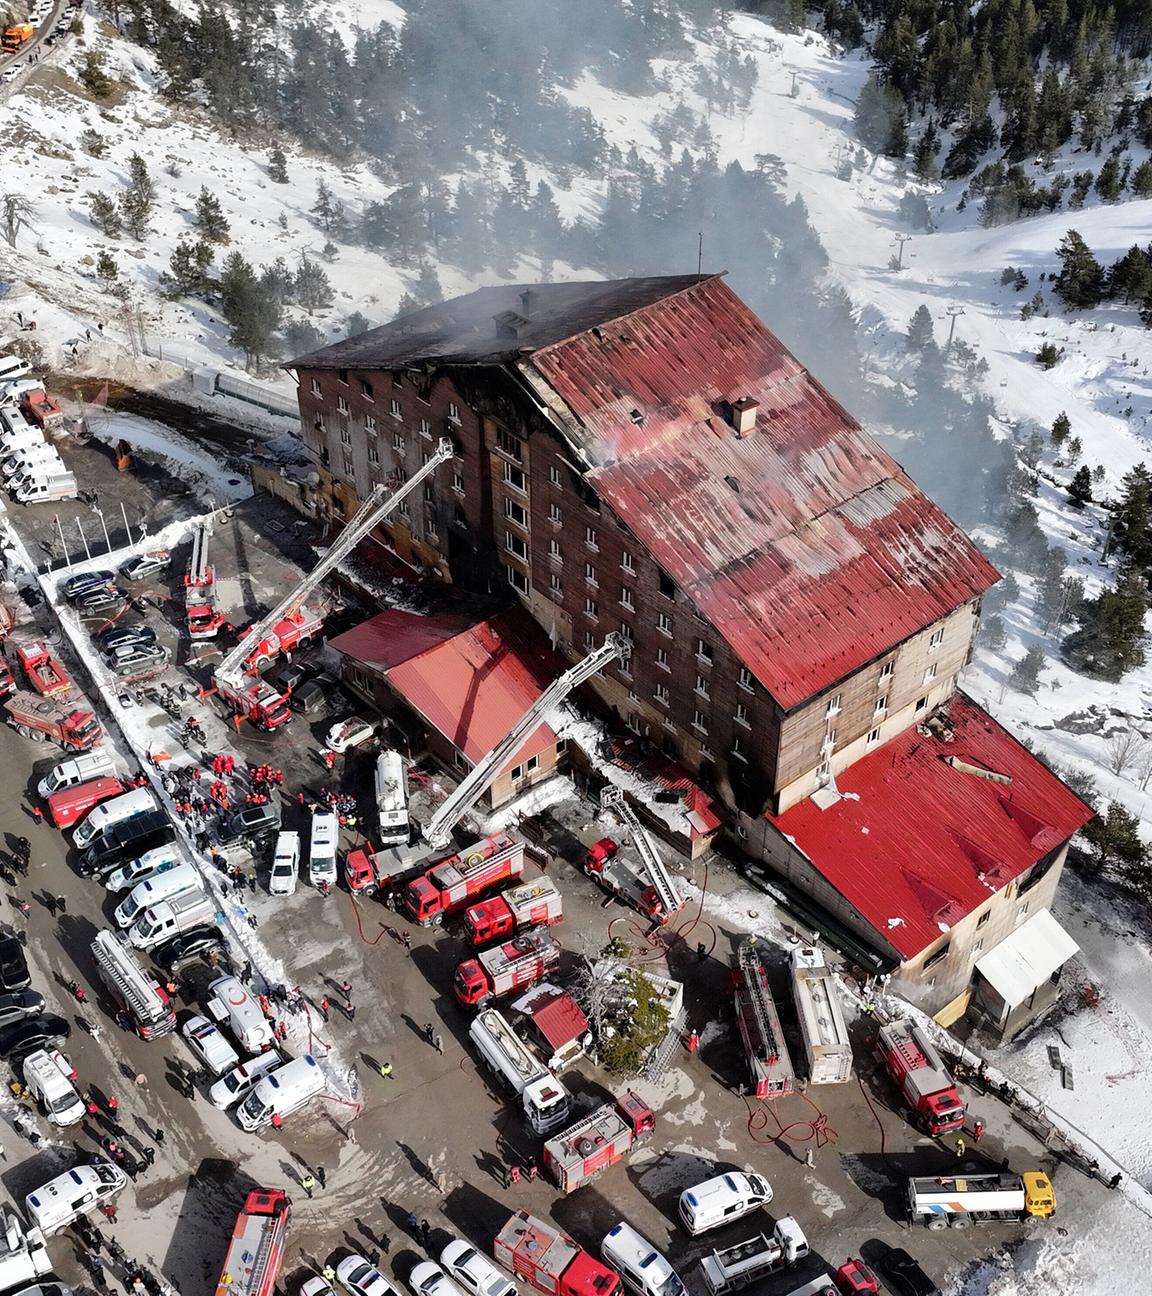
pixel 993 633
pixel 356 324
pixel 210 220
pixel 920 329
pixel 1049 355
pixel 253 314
pixel 104 215
pixel 1108 185
pixel 139 179
pixel 1130 278
pixel 313 290
pixel 277 166
pixel 1141 182
pixel 1080 487
pixel 1116 843
pixel 107 270
pixel 300 337
pixel 1132 529
pixel 93 75
pixel 1061 426
pixel 896 143
pixel 134 211
pixel 1110 640
pixel 328 211
pixel 428 289
pixel 924 154
pixel 1025 674
pixel 188 269
pixel 1081 279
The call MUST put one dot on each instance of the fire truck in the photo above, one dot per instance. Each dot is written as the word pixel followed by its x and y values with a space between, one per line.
pixel 448 886
pixel 520 962
pixel 769 1063
pixel 960 1200
pixel 546 1102
pixel 923 1079
pixel 532 904
pixel 578 1154
pixel 35 717
pixel 645 884
pixel 387 872
pixel 256 1251
pixel 43 671
pixel 204 618
pixel 549 1261
pixel 736 1266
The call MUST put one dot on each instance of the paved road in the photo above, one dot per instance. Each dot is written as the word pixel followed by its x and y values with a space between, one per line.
pixel 21 58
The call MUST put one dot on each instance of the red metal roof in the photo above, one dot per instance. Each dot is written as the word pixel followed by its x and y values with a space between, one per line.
pixel 807 546
pixel 558 1017
pixel 916 840
pixel 470 682
pixel 698 808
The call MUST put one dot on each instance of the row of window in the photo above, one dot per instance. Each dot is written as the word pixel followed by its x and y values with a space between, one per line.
pixel 368 392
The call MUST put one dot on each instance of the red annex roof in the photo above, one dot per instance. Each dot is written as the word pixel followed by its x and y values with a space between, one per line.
pixel 470 682
pixel 916 842
pixel 808 547
pixel 558 1017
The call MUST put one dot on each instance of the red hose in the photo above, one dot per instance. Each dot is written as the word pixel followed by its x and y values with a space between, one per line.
pixel 818 1129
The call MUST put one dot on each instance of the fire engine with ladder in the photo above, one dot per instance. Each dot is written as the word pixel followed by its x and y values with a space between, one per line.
pixel 769 1063
pixel 913 1062
pixel 291 623
pixel 647 887
pixel 204 617
pixel 256 1251
pixel 512 965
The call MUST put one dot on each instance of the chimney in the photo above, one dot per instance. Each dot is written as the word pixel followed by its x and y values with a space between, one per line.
pixel 510 324
pixel 743 415
pixel 526 303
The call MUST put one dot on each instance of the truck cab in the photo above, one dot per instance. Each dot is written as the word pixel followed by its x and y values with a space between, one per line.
pixel 48 1075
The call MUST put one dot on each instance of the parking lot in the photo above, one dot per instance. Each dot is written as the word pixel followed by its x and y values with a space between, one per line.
pixel 435 1138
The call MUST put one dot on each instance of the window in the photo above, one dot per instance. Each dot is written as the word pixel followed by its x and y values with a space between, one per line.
pixel 737 749
pixel 517 579
pixel 881 708
pixel 701 686
pixel 873 736
pixel 515 478
pixel 515 544
pixel 936 639
pixel 318 423
pixel 591 608
pixel 921 703
pixel 429 493
pixel 458 483
pixel 555 584
pixel 366 389
pixel 745 679
pixel 517 772
pixel 590 573
pixel 887 669
pixel 664 623
pixel 398 441
pixel 345 434
pixel 397 378
pixel 590 537
pixel 370 423
pixel 667 586
pixel 349 466
pixel 627 600
pixel 555 514
pixel 628 562
pixel 833 707
pixel 704 651
pixel 453 412
pixel 626 633
pixel 394 408
pixel 700 721
pixel 741 716
pixel 940 955
pixel 977 946
pixel 515 512
pixel 554 550
pixel 829 743
pixel 533 763
pixel 554 475
pixel 930 674
pixel 342 375
pixel 342 406
pixel 426 428
pixel 662 694
pixel 510 445
pixel 983 917
pixel 316 387
pixel 373 454
pixel 1022 912
pixel 430 522
pixel 589 641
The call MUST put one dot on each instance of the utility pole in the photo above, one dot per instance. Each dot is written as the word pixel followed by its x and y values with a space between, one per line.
pixel 901 239
pixel 952 312
pixel 700 253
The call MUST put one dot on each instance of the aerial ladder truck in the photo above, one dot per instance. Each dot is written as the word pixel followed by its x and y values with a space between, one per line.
pixel 769 1063
pixel 649 888
pixel 438 830
pixel 290 622
pixel 204 618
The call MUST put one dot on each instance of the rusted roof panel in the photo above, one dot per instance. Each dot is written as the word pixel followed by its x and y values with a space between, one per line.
pixel 807 546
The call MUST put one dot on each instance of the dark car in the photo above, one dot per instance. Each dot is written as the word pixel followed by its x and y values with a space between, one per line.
pixel 100 602
pixel 74 586
pixel 252 821
pixel 13 965
pixel 198 943
pixel 19 1006
pixel 903 1274
pixel 145 565
pixel 126 841
pixel 45 1031
pixel 314 695
pixel 124 636
pixel 290 675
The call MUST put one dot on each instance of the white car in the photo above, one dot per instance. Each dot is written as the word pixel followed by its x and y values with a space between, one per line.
pixel 428 1279
pixel 346 734
pixel 209 1045
pixel 160 859
pixel 317 1286
pixel 285 864
pixel 359 1278
pixel 474 1271
pixel 241 1080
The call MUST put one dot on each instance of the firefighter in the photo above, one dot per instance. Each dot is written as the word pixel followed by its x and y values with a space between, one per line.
pixel 961 1147
pixel 693 1041
pixel 978 1128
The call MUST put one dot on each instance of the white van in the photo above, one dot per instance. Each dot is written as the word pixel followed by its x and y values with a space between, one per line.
pixel 49 1079
pixel 80 769
pixel 232 1005
pixel 722 1199
pixel 23 1255
pixel 644 1270
pixel 20 435
pixel 12 366
pixel 77 1192
pixel 149 893
pixel 392 799
pixel 110 813
pixel 42 490
pixel 285 865
pixel 285 1091
pixel 160 859
pixel 322 849
pixel 41 457
pixel 170 917
pixel 15 389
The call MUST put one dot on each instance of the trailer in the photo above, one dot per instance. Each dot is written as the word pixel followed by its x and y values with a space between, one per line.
pixel 43 671
pixel 769 1063
pixel 585 1150
pixel 517 963
pixel 38 718
pixel 960 1200
pixel 822 1026
pixel 448 886
pixel 736 1266
pixel 547 1260
pixel 546 1102
pixel 919 1072
pixel 532 904
pixel 256 1251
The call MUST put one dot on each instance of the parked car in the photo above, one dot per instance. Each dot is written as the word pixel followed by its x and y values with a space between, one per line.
pixel 241 1080
pixel 145 565
pixel 100 602
pixel 289 675
pixel 475 1272
pixel 318 1286
pixel 209 1045
pixel 74 586
pixel 19 1006
pixel 45 1031
pixel 346 734
pixel 13 964
pixel 137 657
pixel 360 1278
pixel 428 1279
pixel 196 944
pixel 285 865
pixel 124 636
pixel 314 694
pixel 903 1273
pixel 146 866
pixel 252 821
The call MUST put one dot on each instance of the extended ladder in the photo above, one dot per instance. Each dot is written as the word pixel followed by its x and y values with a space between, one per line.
pixel 199 570
pixel 661 880
pixel 765 1011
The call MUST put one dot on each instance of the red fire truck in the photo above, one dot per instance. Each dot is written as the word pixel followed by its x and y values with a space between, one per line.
pixel 256 1251
pixel 44 672
pixel 520 962
pixel 367 873
pixel 552 1263
pixel 293 631
pixel 204 618
pixel 532 904
pixel 769 1062
pixel 582 1151
pixel 38 718
pixel 921 1075
pixel 448 886
pixel 68 807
